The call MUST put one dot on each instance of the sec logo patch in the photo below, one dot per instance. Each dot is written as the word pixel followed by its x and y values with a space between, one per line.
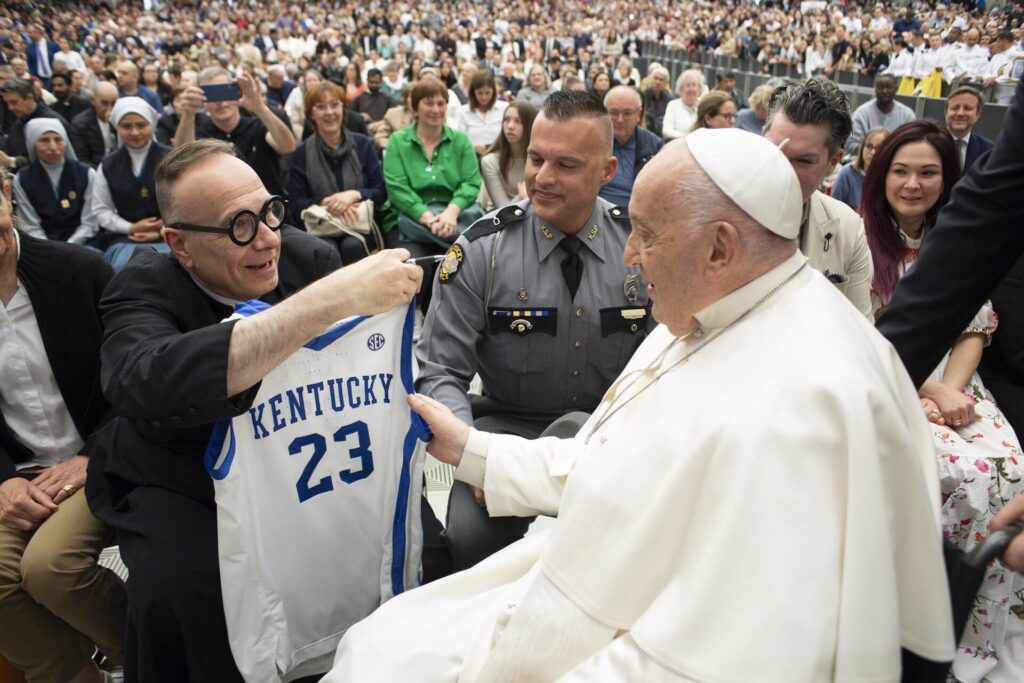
pixel 375 342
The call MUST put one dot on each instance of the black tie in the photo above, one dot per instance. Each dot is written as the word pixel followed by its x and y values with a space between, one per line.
pixel 572 264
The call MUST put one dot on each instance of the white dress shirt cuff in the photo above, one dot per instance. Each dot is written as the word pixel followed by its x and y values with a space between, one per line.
pixel 473 465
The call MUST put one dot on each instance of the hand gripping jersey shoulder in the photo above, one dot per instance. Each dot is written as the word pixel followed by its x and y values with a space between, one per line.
pixel 317 489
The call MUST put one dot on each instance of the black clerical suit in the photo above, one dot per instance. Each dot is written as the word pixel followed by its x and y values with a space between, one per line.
pixel 164 360
pixel 977 238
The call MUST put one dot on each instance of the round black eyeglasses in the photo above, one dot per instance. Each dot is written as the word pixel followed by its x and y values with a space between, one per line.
pixel 244 224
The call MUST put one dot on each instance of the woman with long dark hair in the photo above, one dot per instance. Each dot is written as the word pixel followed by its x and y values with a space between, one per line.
pixel 979 456
pixel 504 166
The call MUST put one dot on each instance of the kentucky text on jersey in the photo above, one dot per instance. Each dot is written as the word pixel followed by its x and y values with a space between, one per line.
pixel 281 410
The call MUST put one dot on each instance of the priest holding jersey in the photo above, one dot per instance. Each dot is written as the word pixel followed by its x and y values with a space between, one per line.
pixel 755 498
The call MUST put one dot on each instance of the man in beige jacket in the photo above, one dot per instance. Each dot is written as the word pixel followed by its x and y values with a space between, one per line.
pixel 810 121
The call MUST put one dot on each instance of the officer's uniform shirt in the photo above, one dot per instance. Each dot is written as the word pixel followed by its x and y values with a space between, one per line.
pixel 501 307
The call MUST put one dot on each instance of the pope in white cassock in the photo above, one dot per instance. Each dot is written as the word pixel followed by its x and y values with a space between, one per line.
pixel 755 498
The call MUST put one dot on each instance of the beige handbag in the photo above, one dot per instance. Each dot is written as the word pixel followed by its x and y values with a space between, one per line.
pixel 321 223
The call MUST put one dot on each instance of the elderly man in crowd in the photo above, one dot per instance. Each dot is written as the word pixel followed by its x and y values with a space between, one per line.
pixel 171 369
pixel 654 583
pixel 93 136
pixel 809 121
pixel 883 110
pixel 260 135
pixel 534 298
pixel 633 146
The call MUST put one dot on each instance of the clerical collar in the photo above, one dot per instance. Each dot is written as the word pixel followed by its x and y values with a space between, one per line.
pixel 213 295
pixel 734 304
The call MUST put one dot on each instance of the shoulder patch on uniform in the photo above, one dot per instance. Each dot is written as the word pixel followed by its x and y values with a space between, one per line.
pixel 619 212
pixel 449 267
pixel 488 225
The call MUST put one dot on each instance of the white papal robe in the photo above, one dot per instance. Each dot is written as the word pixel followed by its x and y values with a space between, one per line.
pixel 767 510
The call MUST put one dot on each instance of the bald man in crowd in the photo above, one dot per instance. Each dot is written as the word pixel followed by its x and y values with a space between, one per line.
pixel 654 581
pixel 92 134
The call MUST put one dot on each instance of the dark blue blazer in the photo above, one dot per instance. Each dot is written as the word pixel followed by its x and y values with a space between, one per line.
pixel 32 55
pixel 976 240
pixel 976 146
pixel 300 194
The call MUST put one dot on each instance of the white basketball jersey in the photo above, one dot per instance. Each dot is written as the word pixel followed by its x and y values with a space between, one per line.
pixel 318 490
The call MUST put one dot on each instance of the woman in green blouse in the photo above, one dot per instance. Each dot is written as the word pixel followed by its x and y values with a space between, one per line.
pixel 431 173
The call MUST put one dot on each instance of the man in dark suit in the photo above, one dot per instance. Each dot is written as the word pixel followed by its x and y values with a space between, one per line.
pixel 264 40
pixel 57 604
pixel 20 96
pixel 963 109
pixel 92 135
pixel 39 52
pixel 171 369
pixel 68 104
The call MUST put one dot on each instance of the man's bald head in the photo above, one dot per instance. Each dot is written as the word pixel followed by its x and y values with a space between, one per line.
pixel 104 95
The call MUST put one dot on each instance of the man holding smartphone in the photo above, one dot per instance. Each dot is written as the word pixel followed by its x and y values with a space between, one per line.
pixel 260 137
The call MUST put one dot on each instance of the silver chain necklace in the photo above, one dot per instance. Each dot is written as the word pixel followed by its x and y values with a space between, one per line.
pixel 613 408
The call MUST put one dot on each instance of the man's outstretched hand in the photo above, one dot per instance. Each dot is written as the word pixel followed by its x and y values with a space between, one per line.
pixel 450 433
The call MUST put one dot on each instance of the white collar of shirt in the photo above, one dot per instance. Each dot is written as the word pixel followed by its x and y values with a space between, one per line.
pixel 138 157
pixel 213 295
pixel 33 407
pixel 730 307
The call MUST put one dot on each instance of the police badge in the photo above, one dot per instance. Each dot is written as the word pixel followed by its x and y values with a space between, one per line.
pixel 450 265
pixel 631 288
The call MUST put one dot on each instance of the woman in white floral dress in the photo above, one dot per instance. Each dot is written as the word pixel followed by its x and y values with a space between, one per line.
pixel 979 456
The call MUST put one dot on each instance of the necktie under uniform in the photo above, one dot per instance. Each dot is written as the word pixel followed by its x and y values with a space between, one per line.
pixel 572 264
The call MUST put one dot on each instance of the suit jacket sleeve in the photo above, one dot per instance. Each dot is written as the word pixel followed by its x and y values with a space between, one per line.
pixel 976 240
pixel 157 365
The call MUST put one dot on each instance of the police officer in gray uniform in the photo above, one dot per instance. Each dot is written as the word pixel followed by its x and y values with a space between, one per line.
pixel 535 297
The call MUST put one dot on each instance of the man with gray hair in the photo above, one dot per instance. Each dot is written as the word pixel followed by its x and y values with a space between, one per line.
pixel 172 369
pixel 810 120
pixel 633 146
pixel 656 98
pixel 260 135
pixel 763 424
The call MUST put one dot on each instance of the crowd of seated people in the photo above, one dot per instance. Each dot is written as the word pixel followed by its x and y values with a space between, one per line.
pixel 402 128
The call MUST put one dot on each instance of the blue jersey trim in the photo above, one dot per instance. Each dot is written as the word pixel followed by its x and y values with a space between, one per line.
pixel 221 429
pixel 417 430
pixel 317 343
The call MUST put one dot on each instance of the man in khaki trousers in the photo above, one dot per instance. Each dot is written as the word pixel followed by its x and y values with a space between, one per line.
pixel 56 604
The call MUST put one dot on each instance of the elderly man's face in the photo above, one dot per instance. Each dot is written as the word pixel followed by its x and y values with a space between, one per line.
pixel 236 272
pixel 19 67
pixel 667 250
pixel 806 149
pixel 566 165
pixel 624 112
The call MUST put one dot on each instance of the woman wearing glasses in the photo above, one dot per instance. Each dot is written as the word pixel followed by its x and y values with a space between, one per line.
pixel 715 110
pixel 124 194
pixel 336 169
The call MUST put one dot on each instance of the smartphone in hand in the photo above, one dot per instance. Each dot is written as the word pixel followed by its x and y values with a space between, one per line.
pixel 221 92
